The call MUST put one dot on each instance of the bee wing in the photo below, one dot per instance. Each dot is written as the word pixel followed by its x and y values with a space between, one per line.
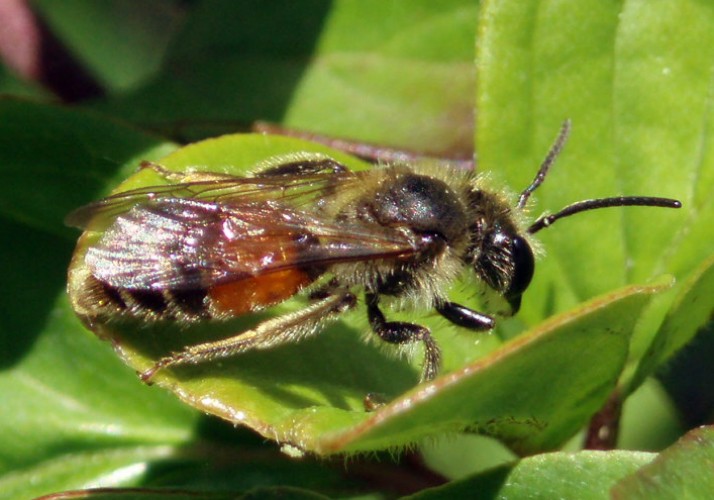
pixel 182 244
pixel 296 189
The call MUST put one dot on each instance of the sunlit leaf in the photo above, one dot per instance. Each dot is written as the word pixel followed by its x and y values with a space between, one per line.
pixel 638 93
pixel 684 470
pixel 586 474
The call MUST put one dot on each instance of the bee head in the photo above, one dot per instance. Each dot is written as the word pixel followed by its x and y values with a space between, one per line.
pixel 505 262
pixel 500 253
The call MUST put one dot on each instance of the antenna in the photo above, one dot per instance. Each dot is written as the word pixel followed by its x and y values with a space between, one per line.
pixel 620 201
pixel 581 206
pixel 549 159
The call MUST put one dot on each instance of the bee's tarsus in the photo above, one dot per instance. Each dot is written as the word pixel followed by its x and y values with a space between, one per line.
pixel 162 171
pixel 397 332
pixel 432 357
pixel 147 375
pixel 305 166
pixel 373 401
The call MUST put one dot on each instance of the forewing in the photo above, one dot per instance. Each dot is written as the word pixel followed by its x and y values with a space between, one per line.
pixel 293 190
pixel 181 243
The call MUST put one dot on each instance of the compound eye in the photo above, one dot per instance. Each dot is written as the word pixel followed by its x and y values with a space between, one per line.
pixel 523 268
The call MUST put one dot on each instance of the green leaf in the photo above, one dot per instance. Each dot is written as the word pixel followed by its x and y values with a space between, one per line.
pixel 56 160
pixel 650 420
pixel 687 379
pixel 690 310
pixel 55 379
pixel 637 87
pixel 583 475
pixel 533 393
pixel 118 41
pixel 11 84
pixel 684 470
pixel 265 493
pixel 372 70
pixel 68 470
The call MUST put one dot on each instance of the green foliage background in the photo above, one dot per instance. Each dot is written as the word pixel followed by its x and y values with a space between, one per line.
pixel 438 77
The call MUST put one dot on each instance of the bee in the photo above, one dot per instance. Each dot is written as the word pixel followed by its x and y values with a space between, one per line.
pixel 210 246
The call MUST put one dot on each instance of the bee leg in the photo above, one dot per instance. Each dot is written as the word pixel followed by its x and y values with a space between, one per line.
pixel 172 176
pixel 465 317
pixel 304 166
pixel 397 332
pixel 290 327
pixel 373 153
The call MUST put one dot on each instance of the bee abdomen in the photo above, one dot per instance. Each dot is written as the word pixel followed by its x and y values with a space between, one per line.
pixel 101 300
pixel 186 305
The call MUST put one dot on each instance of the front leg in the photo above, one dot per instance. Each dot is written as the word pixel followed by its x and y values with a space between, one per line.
pixel 396 332
pixel 308 165
pixel 465 317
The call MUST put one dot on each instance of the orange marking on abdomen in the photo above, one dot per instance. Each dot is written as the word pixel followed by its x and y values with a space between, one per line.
pixel 246 295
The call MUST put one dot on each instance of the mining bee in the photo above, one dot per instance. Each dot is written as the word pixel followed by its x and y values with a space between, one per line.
pixel 212 246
